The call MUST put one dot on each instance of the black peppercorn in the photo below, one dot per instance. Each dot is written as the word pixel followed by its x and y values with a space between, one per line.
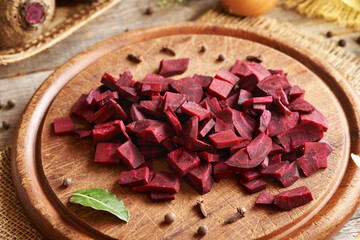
pixel 342 43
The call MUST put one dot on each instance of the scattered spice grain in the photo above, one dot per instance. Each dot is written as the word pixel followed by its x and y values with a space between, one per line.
pixel 221 57
pixel 201 205
pixel 168 51
pixel 329 34
pixel 10 103
pixel 170 217
pixel 5 125
pixel 358 40
pixel 66 182
pixel 239 214
pixel 149 11
pixel 203 48
pixel 342 43
pixel 202 230
pixel 257 59
pixel 135 59
pixel 1 105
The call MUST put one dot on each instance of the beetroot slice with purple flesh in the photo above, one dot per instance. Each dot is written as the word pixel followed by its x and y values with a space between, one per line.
pixel 219 88
pixel 134 177
pixel 125 79
pixel 264 120
pixel 249 175
pixel 106 134
pixel 191 128
pixel 313 158
pixel 82 108
pixel 296 92
pixel 157 196
pixel 293 198
pixel 130 155
pixel 276 170
pixel 244 125
pixel 204 81
pixel 83 132
pixel 162 182
pixel 194 109
pixel 182 160
pixel 206 127
pixel 63 126
pixel 201 178
pixel 315 117
pixel 151 107
pixel 253 186
pixel 225 75
pixel 209 157
pixel 280 123
pixel 192 89
pixel 106 153
pixel 118 112
pixel 290 175
pixel 265 198
pixel 300 134
pixel 101 115
pixel 240 68
pixel 224 139
pixel 172 100
pixel 241 160
pixel 222 170
pixel 173 67
pixel 259 146
pixel 155 78
pixel 301 105
pixel 174 121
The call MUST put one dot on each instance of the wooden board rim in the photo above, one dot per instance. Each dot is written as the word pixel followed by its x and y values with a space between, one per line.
pixel 27 173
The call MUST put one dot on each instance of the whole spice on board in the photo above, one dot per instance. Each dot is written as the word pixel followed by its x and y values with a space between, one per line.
pixel 239 214
pixel 170 217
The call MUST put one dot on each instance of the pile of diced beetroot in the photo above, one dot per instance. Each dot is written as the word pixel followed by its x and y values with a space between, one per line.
pixel 248 122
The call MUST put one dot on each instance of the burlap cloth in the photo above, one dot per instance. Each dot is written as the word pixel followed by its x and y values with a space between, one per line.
pixel 14 223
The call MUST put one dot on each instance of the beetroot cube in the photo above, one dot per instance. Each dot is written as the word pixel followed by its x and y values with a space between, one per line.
pixel 137 112
pixel 290 175
pixel 259 146
pixel 243 143
pixel 244 125
pixel 264 120
pixel 106 124
pixel 253 186
pixel 206 127
pixel 244 96
pixel 130 155
pixel 241 160
pixel 301 105
pixel 106 134
pixel 104 97
pixel 173 120
pixel 151 107
pixel 187 86
pixel 151 87
pixel 300 134
pixel 182 160
pixel 118 112
pixel 162 182
pixel 258 70
pixel 194 109
pixel 83 132
pixel 219 88
pixel 280 123
pixel 172 100
pixel 296 92
pixel 106 153
pixel 275 170
pixel 204 81
pixel 314 157
pixel 222 170
pixel 173 67
pixel 191 128
pixel 224 139
pixel 161 196
pixel 134 177
pixel 276 149
pixel 209 157
pixel 241 68
pixel 273 159
pixel 265 198
pixel 125 79
pixel 249 175
pixel 101 115
pixel 91 97
pixel 200 178
pixel 271 83
pixel 293 198
pixel 128 93
pixel 225 75
pixel 226 115
pixel 168 144
pixel 109 81
pixel 212 105
pixel 152 150
pixel 197 145
pixel 82 108
pixel 155 78
pixel 257 100
pixel 63 126
pixel 156 132
pixel 315 117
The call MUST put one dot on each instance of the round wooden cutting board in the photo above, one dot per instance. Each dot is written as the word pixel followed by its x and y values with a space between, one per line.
pixel 41 160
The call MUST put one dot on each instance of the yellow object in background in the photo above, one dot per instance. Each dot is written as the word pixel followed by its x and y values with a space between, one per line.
pixel 353 3
pixel 249 8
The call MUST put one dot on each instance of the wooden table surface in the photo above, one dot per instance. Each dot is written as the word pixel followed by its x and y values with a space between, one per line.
pixel 20 80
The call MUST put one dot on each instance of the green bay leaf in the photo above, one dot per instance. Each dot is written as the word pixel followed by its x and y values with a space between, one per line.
pixel 100 199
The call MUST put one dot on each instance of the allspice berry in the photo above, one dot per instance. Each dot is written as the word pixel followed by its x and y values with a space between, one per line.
pixel 221 57
pixel 170 217
pixel 66 182
pixel 202 230
pixel 10 103
pixel 342 43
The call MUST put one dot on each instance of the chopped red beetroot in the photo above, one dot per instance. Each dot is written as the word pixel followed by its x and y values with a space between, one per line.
pixel 244 96
pixel 130 155
pixel 157 196
pixel 173 67
pixel 155 78
pixel 225 75
pixel 209 157
pixel 173 121
pixel 232 99
pixel 194 109
pixel 315 117
pixel 314 157
pixel 212 104
pixel 241 69
pixel 182 160
pixel 191 128
pixel 276 149
pixel 204 81
pixel 134 177
pixel 118 112
pixel 187 86
pixel 290 175
pixel 201 178
pixel 150 87
pixel 83 132
pixel 226 116
pixel 265 198
pixel 106 134
pixel 258 70
pixel 244 124
pixel 63 126
pixel 271 83
pixel 162 182
pixel 109 81
pixel 104 97
pixel 222 170
pixel 82 108
pixel 264 120
pixel 243 143
pixel 101 115
pixel 296 92
pixel 301 105
pixel 221 126
pixel 253 186
pixel 249 175
pixel 241 160
pixel 197 145
pixel 259 146
pixel 257 100
pixel 206 127
pixel 276 170
pixel 91 97
pixel 219 88
pixel 172 100
pixel 293 198
pixel 280 123
pixel 125 79
pixel 106 153
pixel 151 107
pixel 300 134
pixel 273 159
pixel 224 139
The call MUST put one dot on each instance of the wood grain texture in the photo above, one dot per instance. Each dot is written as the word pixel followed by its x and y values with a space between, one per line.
pixel 37 176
